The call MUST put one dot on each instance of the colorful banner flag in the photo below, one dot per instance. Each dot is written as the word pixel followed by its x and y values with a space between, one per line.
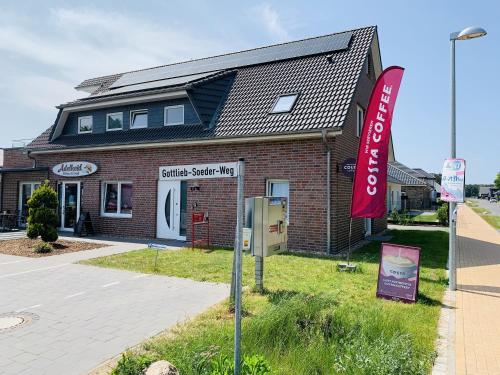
pixel 370 179
pixel 453 180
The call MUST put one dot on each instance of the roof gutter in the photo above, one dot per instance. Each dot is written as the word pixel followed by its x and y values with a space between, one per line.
pixel 227 140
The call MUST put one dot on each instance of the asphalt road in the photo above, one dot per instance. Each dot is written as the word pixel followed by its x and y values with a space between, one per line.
pixel 82 315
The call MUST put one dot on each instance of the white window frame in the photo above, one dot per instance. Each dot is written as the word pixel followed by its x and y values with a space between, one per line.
pixel 359 126
pixel 172 107
pixel 118 200
pixel 91 124
pixel 107 121
pixel 270 181
pixel 136 111
pixel 296 94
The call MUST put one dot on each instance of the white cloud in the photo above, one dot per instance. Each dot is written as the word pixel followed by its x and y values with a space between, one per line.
pixel 270 18
pixel 43 58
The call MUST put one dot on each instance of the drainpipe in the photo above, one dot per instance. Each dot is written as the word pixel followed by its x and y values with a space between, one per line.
pixel 32 158
pixel 328 192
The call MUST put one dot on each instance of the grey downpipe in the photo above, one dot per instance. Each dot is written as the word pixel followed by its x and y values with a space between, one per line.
pixel 328 193
pixel 32 158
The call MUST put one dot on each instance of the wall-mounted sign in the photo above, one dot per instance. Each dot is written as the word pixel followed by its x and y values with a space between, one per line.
pixel 348 167
pixel 453 180
pixel 74 169
pixel 398 272
pixel 198 171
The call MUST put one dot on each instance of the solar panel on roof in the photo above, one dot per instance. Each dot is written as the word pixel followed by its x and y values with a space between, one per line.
pixel 328 43
pixel 154 84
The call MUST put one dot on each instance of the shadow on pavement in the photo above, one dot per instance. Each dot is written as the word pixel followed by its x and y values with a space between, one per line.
pixel 474 253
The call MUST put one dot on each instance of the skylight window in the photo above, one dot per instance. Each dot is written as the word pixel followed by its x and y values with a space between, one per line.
pixel 284 103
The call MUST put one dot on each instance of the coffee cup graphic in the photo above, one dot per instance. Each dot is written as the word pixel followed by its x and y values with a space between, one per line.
pixel 399 266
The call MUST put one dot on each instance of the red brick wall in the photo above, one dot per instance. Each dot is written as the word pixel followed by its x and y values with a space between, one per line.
pixel 16 158
pixel 300 162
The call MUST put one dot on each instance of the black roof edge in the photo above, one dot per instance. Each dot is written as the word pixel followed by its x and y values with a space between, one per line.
pixel 26 169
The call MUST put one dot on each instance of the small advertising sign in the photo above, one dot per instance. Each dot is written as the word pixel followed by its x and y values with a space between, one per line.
pixel 398 272
pixel 348 167
pixel 453 180
pixel 74 169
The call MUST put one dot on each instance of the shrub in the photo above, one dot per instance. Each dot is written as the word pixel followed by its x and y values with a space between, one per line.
pixel 130 364
pixel 44 248
pixel 443 214
pixel 42 213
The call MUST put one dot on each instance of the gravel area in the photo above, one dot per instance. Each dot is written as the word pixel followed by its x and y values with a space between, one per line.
pixel 25 247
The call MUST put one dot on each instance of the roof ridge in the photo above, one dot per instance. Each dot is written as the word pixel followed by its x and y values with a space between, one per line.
pixel 402 171
pixel 226 54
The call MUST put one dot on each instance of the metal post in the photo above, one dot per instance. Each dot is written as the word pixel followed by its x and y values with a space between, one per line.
pixel 452 205
pixel 259 273
pixel 238 260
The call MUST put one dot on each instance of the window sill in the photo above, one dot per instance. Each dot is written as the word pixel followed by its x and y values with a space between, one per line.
pixel 117 216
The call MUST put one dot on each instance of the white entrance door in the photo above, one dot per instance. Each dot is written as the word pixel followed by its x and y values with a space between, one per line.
pixel 69 205
pixel 26 190
pixel 168 219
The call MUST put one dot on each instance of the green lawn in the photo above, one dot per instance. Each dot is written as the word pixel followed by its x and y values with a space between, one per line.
pixel 421 218
pixel 312 319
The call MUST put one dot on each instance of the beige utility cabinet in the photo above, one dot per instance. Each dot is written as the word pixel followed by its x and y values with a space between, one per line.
pixel 266 217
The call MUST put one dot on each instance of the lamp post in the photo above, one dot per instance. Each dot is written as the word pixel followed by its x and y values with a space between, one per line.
pixel 467 33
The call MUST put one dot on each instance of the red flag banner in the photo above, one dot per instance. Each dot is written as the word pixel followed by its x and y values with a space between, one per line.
pixel 370 179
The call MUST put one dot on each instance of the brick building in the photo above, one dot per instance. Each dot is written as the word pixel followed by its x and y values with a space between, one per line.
pixel 294 112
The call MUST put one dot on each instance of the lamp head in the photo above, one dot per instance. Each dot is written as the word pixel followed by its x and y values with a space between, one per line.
pixel 470 33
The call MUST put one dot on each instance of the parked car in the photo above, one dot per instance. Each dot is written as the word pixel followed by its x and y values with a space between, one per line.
pixel 493 200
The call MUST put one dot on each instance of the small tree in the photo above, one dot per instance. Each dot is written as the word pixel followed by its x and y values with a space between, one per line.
pixel 42 213
pixel 497 181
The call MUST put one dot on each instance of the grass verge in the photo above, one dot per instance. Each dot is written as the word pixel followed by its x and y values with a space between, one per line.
pixel 421 218
pixel 312 319
pixel 493 220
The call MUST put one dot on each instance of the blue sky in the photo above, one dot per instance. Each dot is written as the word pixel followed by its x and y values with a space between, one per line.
pixel 46 49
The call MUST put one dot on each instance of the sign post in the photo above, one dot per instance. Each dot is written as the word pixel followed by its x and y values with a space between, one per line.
pixel 452 191
pixel 238 263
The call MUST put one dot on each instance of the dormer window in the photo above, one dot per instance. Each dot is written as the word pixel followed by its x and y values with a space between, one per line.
pixel 174 115
pixel 84 124
pixel 114 121
pixel 139 119
pixel 284 103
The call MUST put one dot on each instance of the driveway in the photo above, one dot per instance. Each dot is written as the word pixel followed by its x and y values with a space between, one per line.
pixel 79 316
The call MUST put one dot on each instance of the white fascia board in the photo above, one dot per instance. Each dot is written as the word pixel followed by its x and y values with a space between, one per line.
pixel 113 103
pixel 268 138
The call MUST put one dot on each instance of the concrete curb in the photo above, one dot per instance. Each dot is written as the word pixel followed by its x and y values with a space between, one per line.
pixel 445 361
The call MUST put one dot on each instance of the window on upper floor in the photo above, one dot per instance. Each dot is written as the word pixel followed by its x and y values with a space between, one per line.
pixel 114 121
pixel 360 118
pixel 174 115
pixel 139 119
pixel 284 103
pixel 84 124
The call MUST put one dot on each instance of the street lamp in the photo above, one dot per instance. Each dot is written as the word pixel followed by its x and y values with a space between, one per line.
pixel 467 33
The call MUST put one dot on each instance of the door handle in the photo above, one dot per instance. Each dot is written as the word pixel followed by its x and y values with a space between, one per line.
pixel 173 208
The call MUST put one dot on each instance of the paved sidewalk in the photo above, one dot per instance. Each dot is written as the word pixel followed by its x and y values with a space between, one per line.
pixel 478 296
pixel 84 315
